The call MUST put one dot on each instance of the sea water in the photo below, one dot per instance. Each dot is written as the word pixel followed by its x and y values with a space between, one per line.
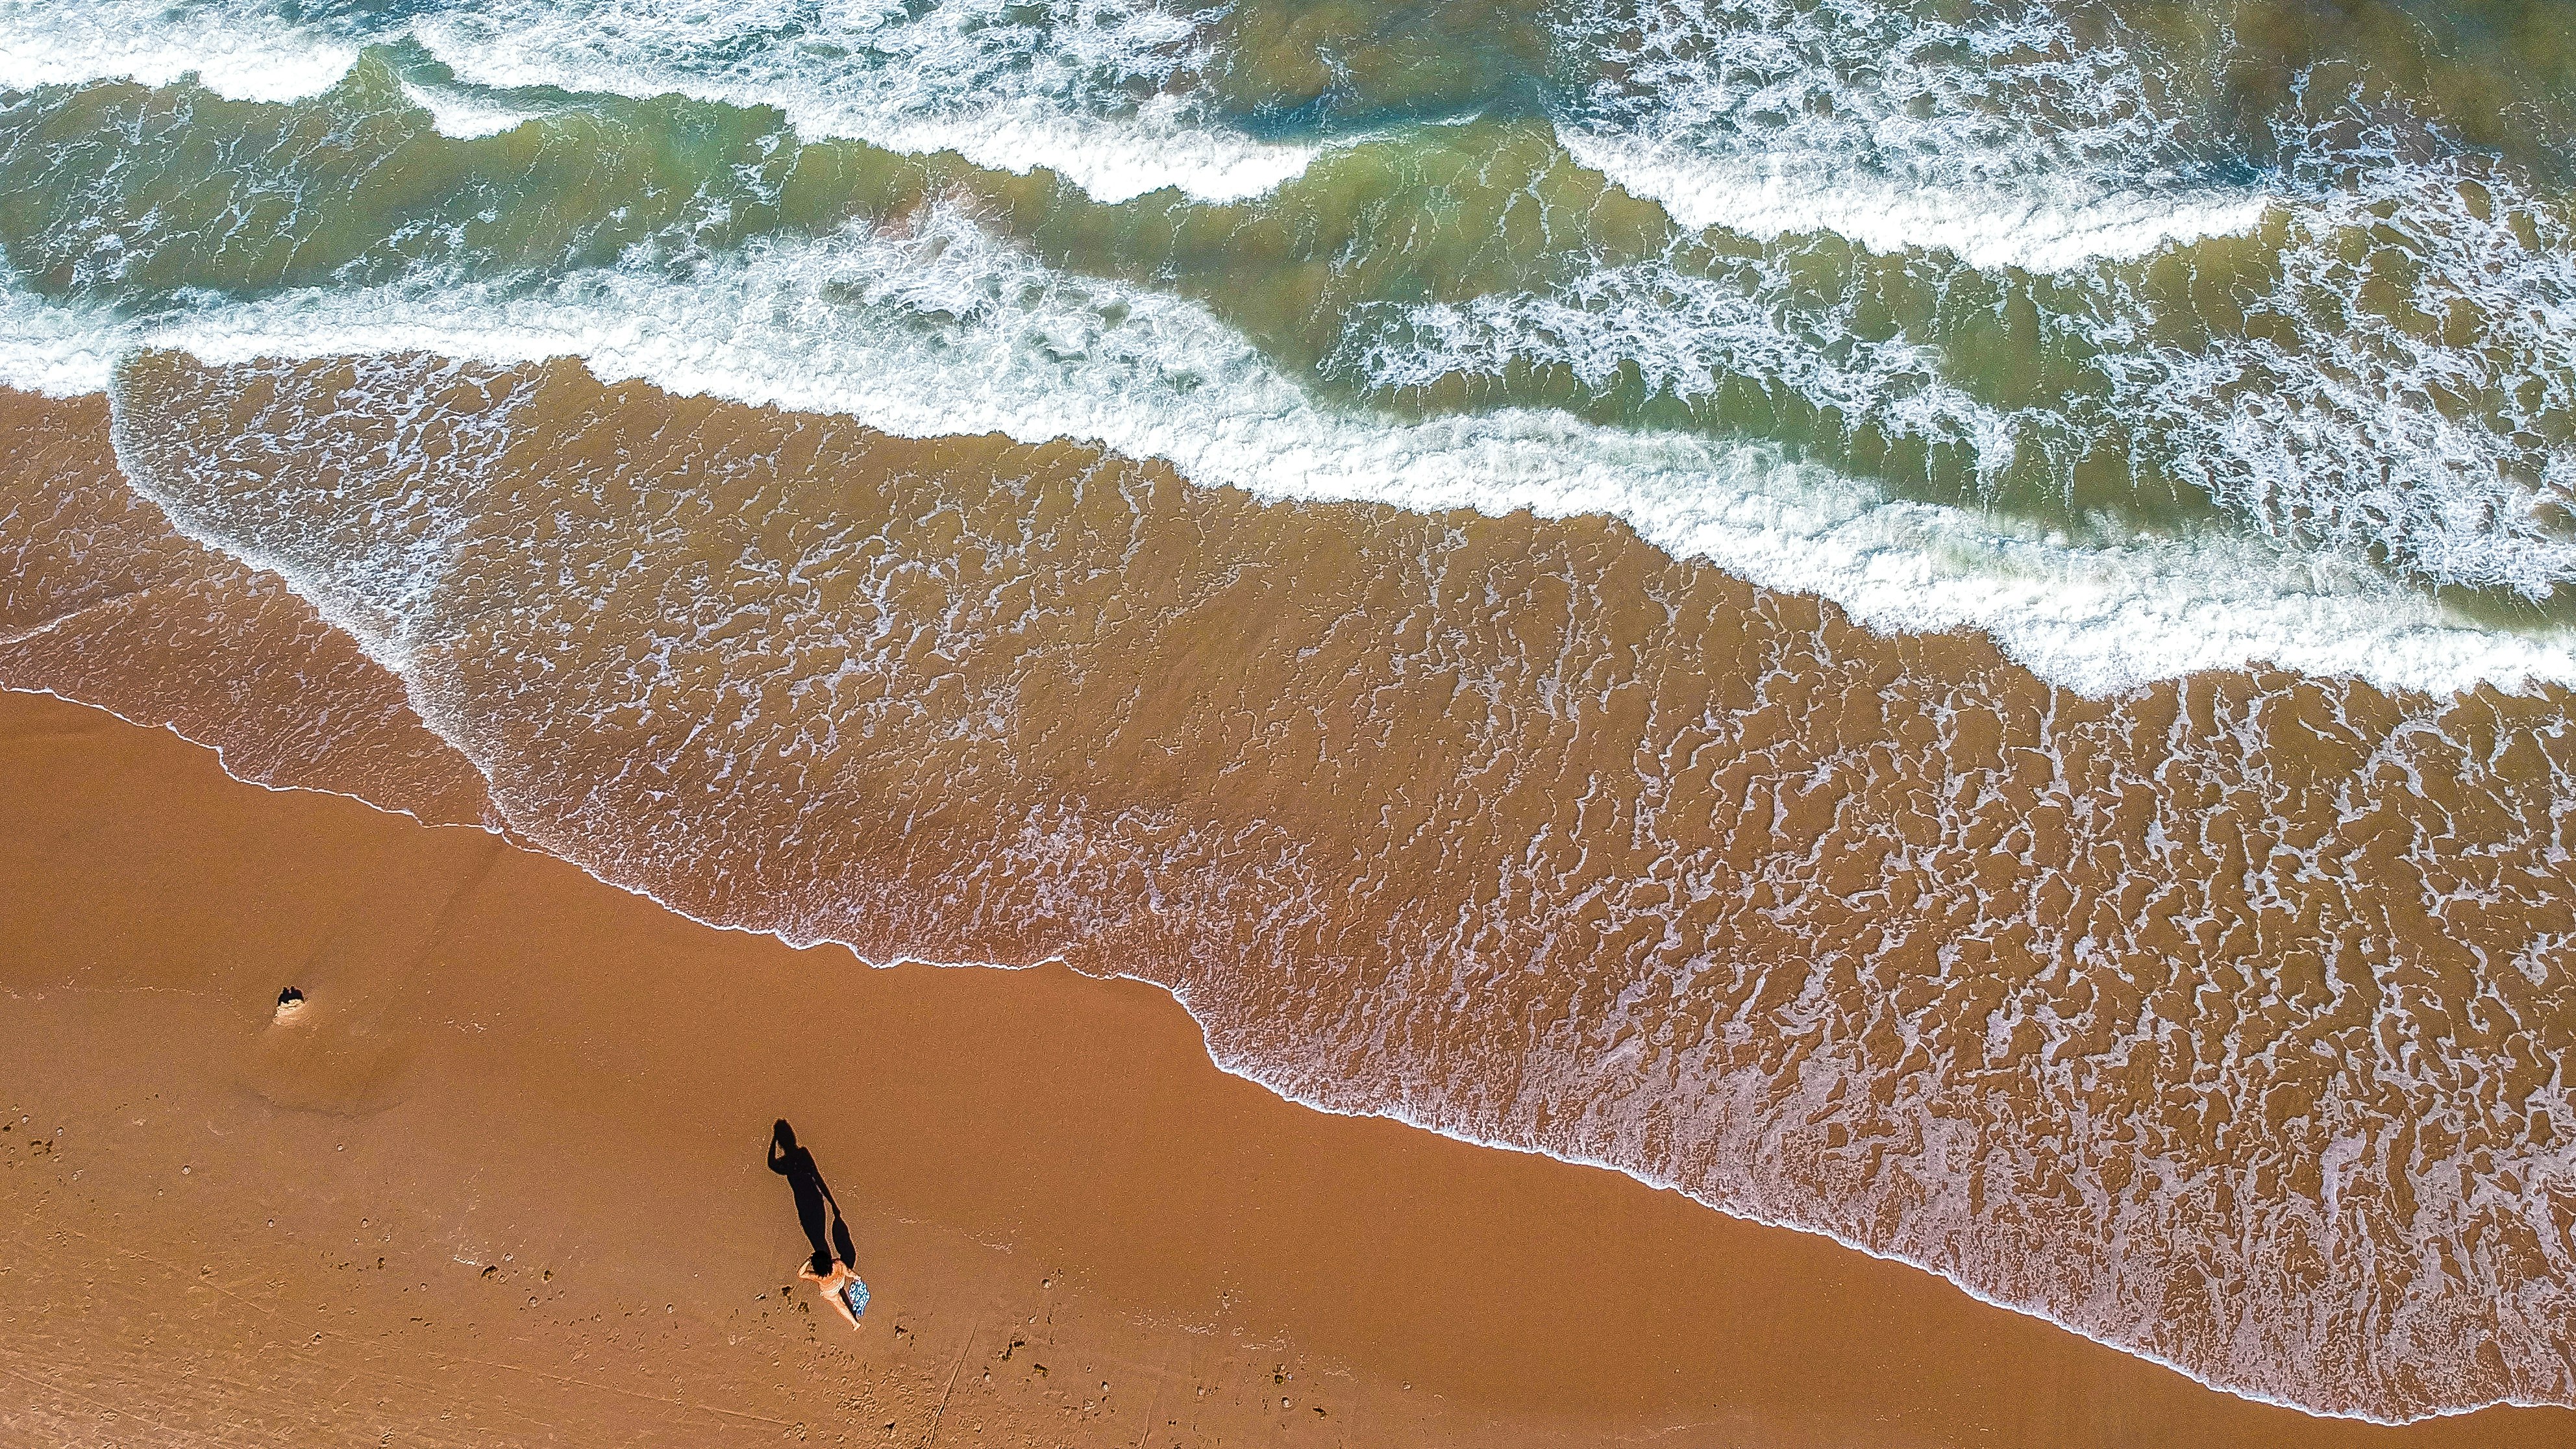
pixel 1945 623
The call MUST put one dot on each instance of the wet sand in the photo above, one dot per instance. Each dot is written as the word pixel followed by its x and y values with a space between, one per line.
pixel 2214 1019
pixel 501 1182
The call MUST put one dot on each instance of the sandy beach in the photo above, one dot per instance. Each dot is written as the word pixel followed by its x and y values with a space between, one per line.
pixel 1696 722
pixel 500 1181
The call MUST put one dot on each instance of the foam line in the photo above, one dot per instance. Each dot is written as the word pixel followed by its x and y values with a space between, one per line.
pixel 944 330
pixel 940 85
pixel 464 114
pixel 1247 1071
pixel 1996 133
pixel 241 54
pixel 1080 96
pixel 1987 227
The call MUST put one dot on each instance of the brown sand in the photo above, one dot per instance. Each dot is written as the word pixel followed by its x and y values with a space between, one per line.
pixel 500 1182
pixel 100 601
pixel 1143 590
pixel 2218 1018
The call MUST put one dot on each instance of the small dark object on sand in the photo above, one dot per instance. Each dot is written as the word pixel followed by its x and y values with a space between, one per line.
pixel 291 996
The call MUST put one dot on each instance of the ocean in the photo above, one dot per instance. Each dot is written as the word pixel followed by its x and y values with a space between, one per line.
pixel 1946 624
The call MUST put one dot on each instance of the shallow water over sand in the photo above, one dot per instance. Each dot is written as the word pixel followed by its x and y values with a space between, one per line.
pixel 2216 1020
pixel 1944 623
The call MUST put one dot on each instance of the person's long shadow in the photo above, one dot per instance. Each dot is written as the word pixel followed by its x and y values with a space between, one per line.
pixel 813 1197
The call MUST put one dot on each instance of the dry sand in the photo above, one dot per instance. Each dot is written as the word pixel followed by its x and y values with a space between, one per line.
pixel 1513 824
pixel 500 1182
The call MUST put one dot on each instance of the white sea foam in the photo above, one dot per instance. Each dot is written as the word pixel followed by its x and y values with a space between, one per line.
pixel 2000 137
pixel 943 330
pixel 2381 422
pixel 2039 226
pixel 59 352
pixel 1078 90
pixel 1681 334
pixel 467 112
pixel 2360 417
pixel 246 54
pixel 1111 161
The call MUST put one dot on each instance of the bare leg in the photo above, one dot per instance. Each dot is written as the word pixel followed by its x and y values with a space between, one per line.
pixel 833 1292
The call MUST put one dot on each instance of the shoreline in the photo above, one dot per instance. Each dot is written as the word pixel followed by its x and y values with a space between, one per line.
pixel 824 944
pixel 1523 1300
pixel 153 617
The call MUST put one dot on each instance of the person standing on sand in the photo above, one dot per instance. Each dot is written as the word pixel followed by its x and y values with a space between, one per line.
pixel 835 1287
pixel 829 1270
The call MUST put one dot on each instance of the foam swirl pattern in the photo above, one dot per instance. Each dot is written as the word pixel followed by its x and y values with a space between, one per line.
pixel 2221 1021
pixel 2356 355
pixel 1945 622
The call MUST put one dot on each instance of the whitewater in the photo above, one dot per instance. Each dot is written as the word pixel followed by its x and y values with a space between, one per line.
pixel 2088 599
pixel 2224 383
pixel 1036 357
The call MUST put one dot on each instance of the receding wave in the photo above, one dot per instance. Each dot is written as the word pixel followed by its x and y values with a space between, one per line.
pixel 103 602
pixel 2369 380
pixel 2003 133
pixel 1946 622
pixel 1768 197
pixel 1077 90
pixel 2217 1020
pixel 939 329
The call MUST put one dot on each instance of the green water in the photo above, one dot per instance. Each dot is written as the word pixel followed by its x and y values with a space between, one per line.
pixel 2368 357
